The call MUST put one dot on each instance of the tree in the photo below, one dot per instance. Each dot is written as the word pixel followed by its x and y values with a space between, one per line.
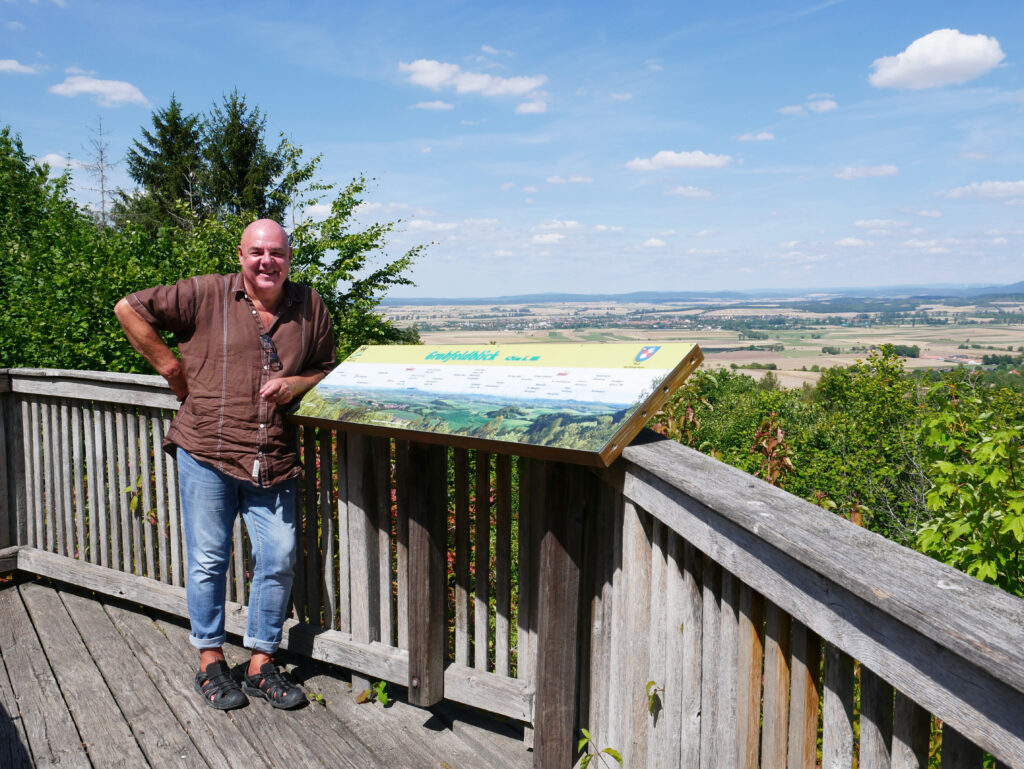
pixel 240 172
pixel 167 164
pixel 99 168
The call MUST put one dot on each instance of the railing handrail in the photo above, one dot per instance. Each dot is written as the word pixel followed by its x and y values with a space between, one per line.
pixel 129 389
pixel 987 625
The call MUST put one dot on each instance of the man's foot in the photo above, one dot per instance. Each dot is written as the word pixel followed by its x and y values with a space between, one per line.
pixel 218 688
pixel 275 687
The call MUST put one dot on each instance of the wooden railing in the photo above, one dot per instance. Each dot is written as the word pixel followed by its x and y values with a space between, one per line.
pixel 684 613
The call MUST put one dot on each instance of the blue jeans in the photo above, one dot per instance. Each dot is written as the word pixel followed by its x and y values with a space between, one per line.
pixel 210 500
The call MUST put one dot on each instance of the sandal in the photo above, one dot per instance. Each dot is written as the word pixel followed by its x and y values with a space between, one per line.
pixel 218 688
pixel 275 687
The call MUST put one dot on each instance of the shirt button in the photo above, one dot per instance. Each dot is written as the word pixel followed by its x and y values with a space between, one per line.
pixel 262 426
pixel 254 312
pixel 265 368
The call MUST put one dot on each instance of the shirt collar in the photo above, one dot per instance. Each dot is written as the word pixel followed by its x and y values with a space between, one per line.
pixel 293 292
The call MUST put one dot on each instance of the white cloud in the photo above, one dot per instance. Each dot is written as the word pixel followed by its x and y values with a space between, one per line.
pixel 862 172
pixel 433 105
pixel 559 224
pixel 530 188
pixel 792 109
pixel 974 155
pixel 999 241
pixel 548 237
pixel 653 65
pixel 78 71
pixel 879 224
pixel 608 228
pixel 705 233
pixel 14 67
pixel 622 96
pixel 426 225
pixel 508 185
pixel 535 107
pixel 15 25
pixel 987 190
pixel 942 57
pixel 58 162
pixel 670 159
pixel 107 93
pixel 690 192
pixel 426 150
pixel 574 179
pixel 489 49
pixel 437 75
pixel 822 105
pixel 654 243
pixel 930 214
pixel 852 242
pixel 760 136
pixel 318 211
pixel 928 246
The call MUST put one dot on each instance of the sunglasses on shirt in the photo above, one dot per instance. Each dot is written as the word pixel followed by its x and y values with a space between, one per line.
pixel 268 344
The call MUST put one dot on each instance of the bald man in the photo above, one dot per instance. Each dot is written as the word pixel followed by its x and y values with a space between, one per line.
pixel 250 343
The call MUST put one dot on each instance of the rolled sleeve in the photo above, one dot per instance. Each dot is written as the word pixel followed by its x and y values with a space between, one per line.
pixel 169 308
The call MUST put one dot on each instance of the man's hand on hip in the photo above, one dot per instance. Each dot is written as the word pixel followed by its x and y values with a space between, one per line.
pixel 277 391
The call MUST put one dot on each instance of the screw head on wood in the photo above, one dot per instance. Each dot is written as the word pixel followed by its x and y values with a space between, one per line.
pixel 415 682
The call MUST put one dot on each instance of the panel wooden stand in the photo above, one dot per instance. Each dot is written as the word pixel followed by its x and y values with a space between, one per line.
pixel 428 626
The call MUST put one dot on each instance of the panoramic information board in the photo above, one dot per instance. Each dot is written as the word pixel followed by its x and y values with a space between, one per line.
pixel 578 403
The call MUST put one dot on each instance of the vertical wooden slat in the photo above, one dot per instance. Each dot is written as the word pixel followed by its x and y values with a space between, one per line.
pixel 160 481
pixel 362 519
pixel 910 734
pixel 729 752
pixel 776 688
pixel 958 752
pixel 53 484
pixel 557 614
pixel 428 627
pixel 402 540
pixel 100 510
pixel 598 558
pixel 52 544
pixel 92 491
pixel 617 703
pixel 19 454
pixel 875 721
pixel 749 670
pixel 66 493
pixel 461 467
pixel 38 432
pixel 235 574
pixel 327 532
pixel 657 643
pixel 300 596
pixel 675 634
pixel 344 574
pixel 137 483
pixel 711 680
pixel 8 507
pixel 113 524
pixel 174 521
pixel 146 450
pixel 310 513
pixel 805 698
pixel 837 710
pixel 27 521
pixel 78 469
pixel 123 489
pixel 382 467
pixel 636 565
pixel 524 649
pixel 482 562
pixel 503 564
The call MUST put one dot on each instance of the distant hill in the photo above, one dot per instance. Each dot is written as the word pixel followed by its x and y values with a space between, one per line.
pixel 922 292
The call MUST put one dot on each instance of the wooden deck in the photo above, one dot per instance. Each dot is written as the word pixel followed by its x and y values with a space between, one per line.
pixel 94 682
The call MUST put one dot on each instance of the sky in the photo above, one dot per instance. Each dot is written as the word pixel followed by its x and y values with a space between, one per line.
pixel 587 147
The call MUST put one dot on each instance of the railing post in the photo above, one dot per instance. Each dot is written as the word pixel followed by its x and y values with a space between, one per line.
pixel 9 451
pixel 428 617
pixel 558 611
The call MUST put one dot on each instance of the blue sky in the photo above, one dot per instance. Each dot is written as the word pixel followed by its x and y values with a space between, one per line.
pixel 590 147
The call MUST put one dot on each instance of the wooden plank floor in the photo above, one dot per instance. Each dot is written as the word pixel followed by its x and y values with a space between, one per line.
pixel 98 683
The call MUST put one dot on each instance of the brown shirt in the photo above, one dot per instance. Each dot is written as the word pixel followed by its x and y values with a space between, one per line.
pixel 223 421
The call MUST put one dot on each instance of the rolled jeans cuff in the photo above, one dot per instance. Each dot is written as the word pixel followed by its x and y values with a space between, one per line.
pixel 207 643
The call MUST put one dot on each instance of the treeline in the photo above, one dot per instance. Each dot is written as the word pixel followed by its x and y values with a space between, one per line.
pixel 931 464
pixel 200 180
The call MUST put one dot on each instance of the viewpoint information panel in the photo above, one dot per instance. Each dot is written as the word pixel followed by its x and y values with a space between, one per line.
pixel 579 403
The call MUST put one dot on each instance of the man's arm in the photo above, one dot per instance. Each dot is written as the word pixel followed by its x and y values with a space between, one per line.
pixel 147 341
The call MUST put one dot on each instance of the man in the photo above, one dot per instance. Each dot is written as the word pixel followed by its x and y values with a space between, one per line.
pixel 250 343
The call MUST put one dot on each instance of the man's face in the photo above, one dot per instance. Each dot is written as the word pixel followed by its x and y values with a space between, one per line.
pixel 265 257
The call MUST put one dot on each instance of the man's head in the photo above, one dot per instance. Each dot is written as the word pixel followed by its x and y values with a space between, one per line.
pixel 265 257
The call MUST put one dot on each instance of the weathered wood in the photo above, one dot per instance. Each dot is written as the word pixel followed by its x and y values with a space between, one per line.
pixel 775 730
pixel 101 386
pixel 21 461
pixel 636 566
pixel 482 562
pixel 34 428
pixel 710 694
pixel 598 561
pixel 488 691
pixel 64 474
pixel 327 534
pixel 8 527
pixel 951 686
pixel 14 747
pixel 108 741
pixel 152 721
pixel 300 596
pixel 837 710
pixel 958 752
pixel 235 576
pixel 876 701
pixel 503 563
pixel 402 492
pixel 462 528
pixel 382 496
pixel 51 734
pixel 362 532
pixel 77 467
pixel 344 562
pixel 147 513
pixel 124 487
pixel 428 627
pixel 51 542
pixel 749 670
pixel 618 706
pixel 113 488
pixel 730 753
pixel 9 558
pixel 805 696
pixel 910 734
pixel 693 652
pixel 93 494
pixel 174 521
pixel 98 497
pixel 675 631
pixel 558 609
pixel 525 626
pixel 160 482
pixel 310 520
pixel 657 642
pixel 137 483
